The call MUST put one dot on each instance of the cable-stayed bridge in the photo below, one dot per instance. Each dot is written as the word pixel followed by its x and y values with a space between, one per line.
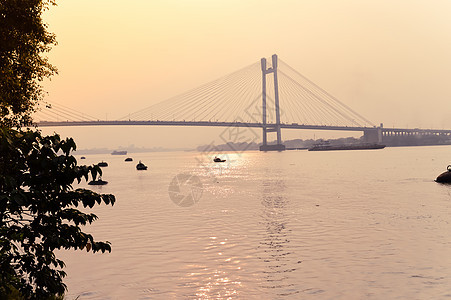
pixel 268 94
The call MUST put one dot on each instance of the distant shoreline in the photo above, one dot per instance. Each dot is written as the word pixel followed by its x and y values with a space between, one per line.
pixel 290 144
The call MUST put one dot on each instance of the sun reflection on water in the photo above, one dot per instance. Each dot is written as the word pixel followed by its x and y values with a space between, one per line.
pixel 276 253
pixel 220 282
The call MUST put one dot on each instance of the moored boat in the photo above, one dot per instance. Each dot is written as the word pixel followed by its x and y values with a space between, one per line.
pixel 217 159
pixel 129 159
pixel 141 166
pixel 103 164
pixel 364 146
pixel 445 177
pixel 98 182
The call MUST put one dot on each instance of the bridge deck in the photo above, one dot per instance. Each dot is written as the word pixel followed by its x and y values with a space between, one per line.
pixel 235 124
pixel 195 123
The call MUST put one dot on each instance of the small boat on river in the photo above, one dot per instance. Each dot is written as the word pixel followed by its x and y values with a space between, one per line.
pixel 103 164
pixel 129 159
pixel 98 182
pixel 217 159
pixel 141 166
pixel 445 177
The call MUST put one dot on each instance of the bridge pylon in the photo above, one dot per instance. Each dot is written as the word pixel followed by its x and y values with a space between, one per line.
pixel 271 127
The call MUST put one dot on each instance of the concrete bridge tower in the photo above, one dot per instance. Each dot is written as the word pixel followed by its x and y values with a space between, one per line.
pixel 271 127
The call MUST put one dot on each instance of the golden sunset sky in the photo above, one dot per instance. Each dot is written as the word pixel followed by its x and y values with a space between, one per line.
pixel 388 60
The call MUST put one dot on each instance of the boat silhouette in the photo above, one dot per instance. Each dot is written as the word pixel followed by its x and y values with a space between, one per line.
pixel 141 166
pixel 445 177
pixel 98 182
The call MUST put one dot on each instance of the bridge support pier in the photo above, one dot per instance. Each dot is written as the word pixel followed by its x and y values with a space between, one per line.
pixel 272 127
pixel 373 135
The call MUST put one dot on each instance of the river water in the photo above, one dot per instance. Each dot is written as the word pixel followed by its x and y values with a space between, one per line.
pixel 367 224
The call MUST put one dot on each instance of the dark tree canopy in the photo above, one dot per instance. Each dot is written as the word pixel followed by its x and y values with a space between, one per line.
pixel 38 211
pixel 24 40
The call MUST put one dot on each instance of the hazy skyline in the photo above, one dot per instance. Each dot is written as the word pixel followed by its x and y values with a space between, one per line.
pixel 388 60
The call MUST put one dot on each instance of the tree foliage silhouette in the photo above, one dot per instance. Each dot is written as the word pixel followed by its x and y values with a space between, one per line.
pixel 38 211
pixel 24 39
pixel 38 204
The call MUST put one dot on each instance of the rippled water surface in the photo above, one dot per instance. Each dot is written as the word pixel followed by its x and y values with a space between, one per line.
pixel 291 225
